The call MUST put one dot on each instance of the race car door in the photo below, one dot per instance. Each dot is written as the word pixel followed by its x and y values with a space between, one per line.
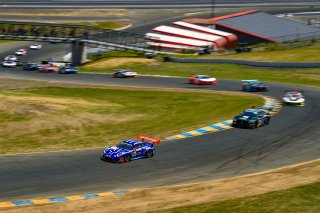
pixel 138 149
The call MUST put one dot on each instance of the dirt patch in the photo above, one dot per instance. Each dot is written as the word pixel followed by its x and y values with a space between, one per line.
pixel 116 62
pixel 44 113
pixel 76 120
pixel 144 200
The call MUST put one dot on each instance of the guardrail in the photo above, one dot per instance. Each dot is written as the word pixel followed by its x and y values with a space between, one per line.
pixel 244 62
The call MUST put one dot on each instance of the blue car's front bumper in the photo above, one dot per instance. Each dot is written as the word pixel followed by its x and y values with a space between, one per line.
pixel 112 159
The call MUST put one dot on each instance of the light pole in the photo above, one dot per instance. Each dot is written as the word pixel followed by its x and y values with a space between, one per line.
pixel 212 8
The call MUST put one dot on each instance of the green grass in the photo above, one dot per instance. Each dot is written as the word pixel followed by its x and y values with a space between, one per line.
pixel 103 24
pixel 303 54
pixel 275 52
pixel 7 41
pixel 102 56
pixel 45 119
pixel 309 76
pixel 300 199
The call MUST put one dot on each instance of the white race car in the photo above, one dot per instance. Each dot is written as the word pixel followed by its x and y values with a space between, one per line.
pixel 202 79
pixel 21 52
pixel 124 74
pixel 293 98
pixel 35 47
pixel 10 58
pixel 9 64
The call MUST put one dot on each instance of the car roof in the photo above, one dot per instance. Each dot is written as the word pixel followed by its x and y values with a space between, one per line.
pixel 122 70
pixel 254 110
pixel 201 75
pixel 132 142
pixel 251 81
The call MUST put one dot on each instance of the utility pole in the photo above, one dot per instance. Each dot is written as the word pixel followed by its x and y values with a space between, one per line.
pixel 212 8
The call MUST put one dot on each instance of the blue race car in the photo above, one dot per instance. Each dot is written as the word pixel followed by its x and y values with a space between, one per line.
pixel 129 150
pixel 68 70
pixel 253 86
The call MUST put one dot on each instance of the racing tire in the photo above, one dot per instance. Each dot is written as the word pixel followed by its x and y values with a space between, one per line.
pixel 267 121
pixel 149 153
pixel 127 158
pixel 253 126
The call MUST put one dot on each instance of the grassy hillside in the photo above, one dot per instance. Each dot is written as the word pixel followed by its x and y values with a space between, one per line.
pixel 44 119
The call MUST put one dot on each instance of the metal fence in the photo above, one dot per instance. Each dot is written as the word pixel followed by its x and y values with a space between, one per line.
pixel 13 29
pixel 247 63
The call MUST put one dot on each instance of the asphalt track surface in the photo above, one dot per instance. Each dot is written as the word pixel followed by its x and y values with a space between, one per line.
pixel 293 136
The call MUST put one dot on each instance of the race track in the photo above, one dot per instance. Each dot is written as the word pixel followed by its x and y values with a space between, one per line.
pixel 293 136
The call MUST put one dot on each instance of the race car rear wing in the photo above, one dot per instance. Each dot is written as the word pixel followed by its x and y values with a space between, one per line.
pixel 154 140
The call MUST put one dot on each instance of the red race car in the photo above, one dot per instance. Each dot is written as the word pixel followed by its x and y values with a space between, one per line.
pixel 49 68
pixel 202 80
pixel 21 52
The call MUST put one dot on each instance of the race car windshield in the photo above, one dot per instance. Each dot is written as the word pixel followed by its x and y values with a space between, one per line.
pixel 124 145
pixel 204 77
pixel 249 114
pixel 294 96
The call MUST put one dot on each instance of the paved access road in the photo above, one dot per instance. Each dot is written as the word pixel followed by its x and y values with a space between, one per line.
pixel 292 136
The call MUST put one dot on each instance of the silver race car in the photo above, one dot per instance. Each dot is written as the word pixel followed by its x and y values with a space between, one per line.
pixel 294 98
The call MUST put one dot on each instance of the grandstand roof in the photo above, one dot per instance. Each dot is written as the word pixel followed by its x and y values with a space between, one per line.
pixel 262 25
pixel 269 26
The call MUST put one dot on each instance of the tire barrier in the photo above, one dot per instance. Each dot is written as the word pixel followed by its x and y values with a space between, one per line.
pixel 244 62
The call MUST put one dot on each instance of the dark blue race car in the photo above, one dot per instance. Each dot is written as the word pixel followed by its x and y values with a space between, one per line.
pixel 251 118
pixel 129 150
pixel 68 70
pixel 253 86
pixel 31 66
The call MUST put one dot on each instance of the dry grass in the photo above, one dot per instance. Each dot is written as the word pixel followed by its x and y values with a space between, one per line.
pixel 41 116
pixel 66 12
pixel 155 199
pixel 116 62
